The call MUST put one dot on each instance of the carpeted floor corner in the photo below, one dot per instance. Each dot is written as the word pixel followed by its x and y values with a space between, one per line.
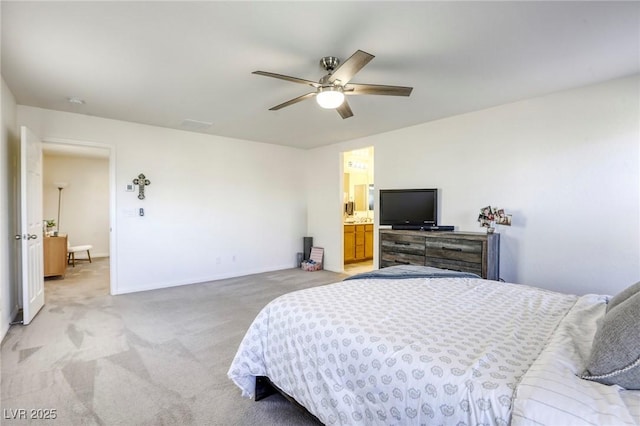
pixel 152 358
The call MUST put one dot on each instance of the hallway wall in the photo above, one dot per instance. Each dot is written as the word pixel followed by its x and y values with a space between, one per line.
pixel 9 144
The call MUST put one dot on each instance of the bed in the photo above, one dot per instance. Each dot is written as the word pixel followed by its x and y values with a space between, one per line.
pixel 418 345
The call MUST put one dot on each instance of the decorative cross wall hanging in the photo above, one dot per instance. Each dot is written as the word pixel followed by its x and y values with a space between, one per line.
pixel 141 181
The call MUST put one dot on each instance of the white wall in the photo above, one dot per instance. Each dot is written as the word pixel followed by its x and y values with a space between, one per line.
pixel 216 207
pixel 84 206
pixel 8 182
pixel 565 165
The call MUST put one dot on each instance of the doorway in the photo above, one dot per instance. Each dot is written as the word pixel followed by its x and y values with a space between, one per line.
pixel 358 207
pixel 77 192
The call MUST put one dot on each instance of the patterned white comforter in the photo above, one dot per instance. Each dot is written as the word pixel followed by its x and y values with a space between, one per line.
pixel 409 351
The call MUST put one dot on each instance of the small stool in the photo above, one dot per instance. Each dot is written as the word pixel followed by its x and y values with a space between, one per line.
pixel 72 250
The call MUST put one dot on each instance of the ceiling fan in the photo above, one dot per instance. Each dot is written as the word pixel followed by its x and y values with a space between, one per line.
pixel 330 91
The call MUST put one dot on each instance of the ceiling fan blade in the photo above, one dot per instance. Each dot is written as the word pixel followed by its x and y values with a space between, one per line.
pixel 345 110
pixel 350 67
pixel 376 89
pixel 287 78
pixel 293 101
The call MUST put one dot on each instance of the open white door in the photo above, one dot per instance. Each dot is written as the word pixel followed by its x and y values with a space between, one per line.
pixel 31 224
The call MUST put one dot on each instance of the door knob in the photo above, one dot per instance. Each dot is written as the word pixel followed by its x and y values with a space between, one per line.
pixel 26 236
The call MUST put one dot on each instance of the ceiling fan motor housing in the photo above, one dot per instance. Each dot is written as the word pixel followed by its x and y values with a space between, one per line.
pixel 329 63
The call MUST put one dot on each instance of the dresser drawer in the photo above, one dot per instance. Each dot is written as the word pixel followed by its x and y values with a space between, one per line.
pixel 391 259
pixel 454 265
pixel 454 249
pixel 455 254
pixel 399 243
pixel 401 249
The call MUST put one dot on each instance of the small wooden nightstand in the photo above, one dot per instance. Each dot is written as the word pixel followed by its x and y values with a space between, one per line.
pixel 55 256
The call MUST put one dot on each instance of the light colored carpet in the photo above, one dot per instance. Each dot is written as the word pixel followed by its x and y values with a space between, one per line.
pixel 152 358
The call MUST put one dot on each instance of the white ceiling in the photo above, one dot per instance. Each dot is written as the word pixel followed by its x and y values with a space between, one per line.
pixel 161 63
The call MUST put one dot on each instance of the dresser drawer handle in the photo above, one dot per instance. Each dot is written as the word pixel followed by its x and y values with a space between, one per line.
pixel 451 248
pixel 402 263
pixel 401 243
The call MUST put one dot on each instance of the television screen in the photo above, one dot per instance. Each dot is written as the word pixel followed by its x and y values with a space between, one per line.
pixel 408 207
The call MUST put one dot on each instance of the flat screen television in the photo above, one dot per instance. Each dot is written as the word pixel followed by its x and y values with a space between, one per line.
pixel 408 207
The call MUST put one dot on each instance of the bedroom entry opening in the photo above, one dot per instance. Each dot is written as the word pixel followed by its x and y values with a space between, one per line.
pixel 358 210
pixel 76 183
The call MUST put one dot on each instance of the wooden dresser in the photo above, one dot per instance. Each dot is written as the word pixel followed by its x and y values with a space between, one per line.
pixel 55 255
pixel 474 252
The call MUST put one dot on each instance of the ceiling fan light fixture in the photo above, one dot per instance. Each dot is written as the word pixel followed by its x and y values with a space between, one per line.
pixel 330 97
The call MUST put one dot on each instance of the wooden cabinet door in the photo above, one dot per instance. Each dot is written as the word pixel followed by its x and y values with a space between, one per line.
pixel 359 242
pixel 349 243
pixel 368 242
